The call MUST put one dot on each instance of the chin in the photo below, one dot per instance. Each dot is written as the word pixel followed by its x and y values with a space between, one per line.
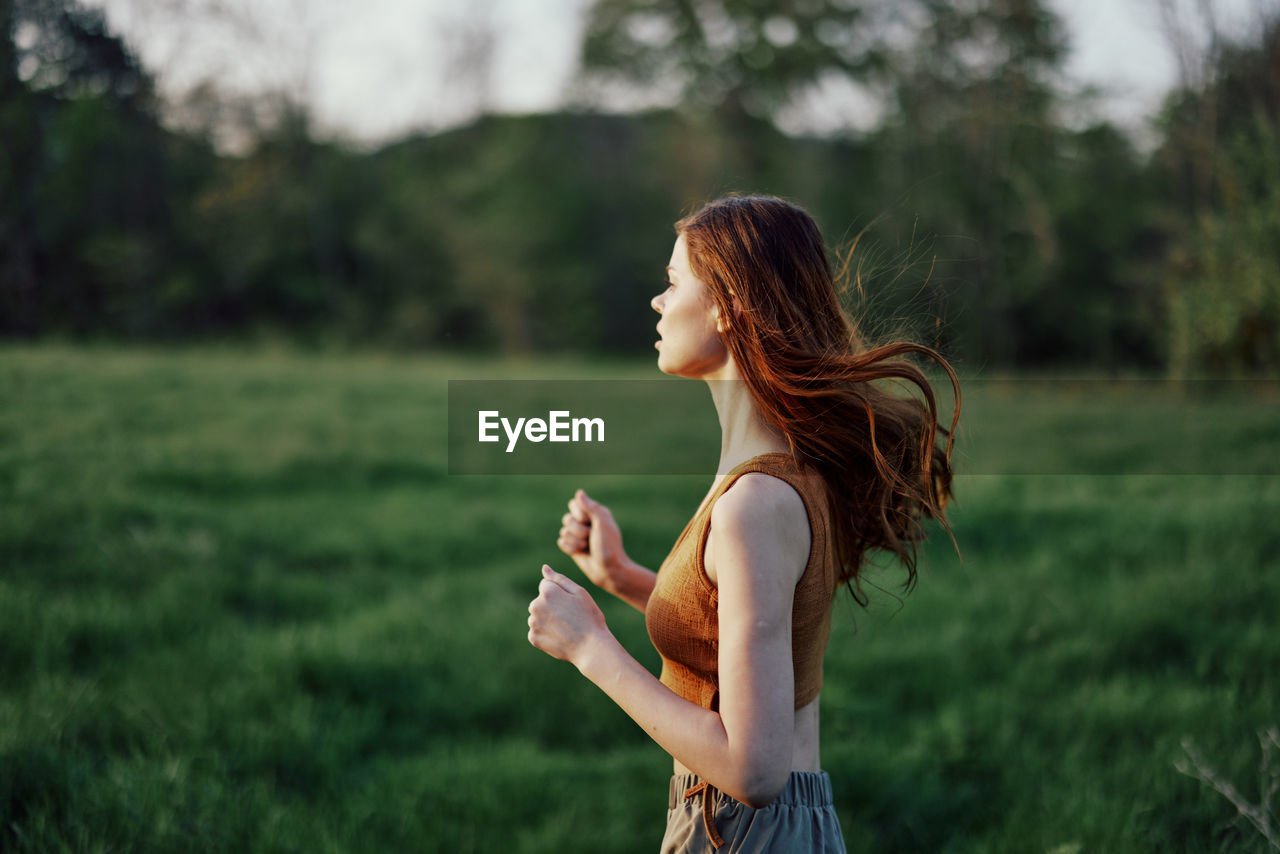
pixel 665 365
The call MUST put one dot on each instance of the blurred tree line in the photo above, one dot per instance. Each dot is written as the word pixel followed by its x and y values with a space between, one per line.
pixel 987 221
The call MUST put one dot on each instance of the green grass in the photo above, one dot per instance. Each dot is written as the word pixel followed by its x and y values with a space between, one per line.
pixel 243 607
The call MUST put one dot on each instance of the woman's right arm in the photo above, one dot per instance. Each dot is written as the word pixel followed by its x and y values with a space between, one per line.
pixel 589 535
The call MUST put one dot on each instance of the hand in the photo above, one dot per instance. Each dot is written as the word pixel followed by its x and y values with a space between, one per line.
pixel 564 618
pixel 589 535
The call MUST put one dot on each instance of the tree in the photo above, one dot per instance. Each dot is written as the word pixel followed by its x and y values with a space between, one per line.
pixel 1220 160
pixel 732 56
pixel 83 207
pixel 971 168
pixel 19 168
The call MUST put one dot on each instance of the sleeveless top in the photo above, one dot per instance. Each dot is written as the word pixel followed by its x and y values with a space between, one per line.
pixel 681 613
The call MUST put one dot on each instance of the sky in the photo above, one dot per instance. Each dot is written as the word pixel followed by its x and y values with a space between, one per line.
pixel 376 70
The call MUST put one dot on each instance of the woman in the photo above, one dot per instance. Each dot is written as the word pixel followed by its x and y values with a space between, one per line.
pixel 817 466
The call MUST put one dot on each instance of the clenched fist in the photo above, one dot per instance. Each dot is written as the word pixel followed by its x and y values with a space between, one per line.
pixel 563 619
pixel 589 535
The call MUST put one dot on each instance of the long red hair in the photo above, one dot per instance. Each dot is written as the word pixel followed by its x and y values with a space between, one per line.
pixel 814 378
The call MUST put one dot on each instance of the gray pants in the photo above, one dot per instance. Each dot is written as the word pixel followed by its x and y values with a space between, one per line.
pixel 802 819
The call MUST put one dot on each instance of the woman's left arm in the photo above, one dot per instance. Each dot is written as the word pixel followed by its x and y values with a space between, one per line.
pixel 759 547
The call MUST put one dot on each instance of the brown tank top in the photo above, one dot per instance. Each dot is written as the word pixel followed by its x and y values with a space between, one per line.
pixel 681 614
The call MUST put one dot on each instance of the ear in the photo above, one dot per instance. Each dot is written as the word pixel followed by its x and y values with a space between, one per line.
pixel 722 325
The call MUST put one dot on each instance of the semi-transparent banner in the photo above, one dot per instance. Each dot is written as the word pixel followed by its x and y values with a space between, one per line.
pixel 1017 426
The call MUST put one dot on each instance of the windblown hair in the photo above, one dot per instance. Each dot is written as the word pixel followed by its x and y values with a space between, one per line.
pixel 815 379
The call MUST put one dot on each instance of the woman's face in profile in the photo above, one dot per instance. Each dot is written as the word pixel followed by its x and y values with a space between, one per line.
pixel 690 344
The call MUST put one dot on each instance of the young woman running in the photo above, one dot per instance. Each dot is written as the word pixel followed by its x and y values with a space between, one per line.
pixel 818 466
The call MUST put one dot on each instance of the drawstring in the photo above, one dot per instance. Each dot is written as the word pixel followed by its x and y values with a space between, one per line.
pixel 708 821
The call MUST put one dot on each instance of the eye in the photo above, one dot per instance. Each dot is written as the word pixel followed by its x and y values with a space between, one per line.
pixel 670 284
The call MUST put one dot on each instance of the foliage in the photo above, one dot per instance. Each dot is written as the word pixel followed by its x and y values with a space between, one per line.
pixel 734 56
pixel 1222 282
pixel 76 239
pixel 986 223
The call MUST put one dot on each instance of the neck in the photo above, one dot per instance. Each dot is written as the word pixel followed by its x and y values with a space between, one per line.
pixel 743 431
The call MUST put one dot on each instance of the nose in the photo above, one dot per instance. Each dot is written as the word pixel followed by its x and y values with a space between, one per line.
pixel 657 302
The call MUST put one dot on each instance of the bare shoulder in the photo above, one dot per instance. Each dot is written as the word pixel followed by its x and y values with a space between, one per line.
pixel 759 520
pixel 757 498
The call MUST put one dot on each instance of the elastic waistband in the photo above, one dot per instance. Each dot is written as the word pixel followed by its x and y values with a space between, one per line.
pixel 804 788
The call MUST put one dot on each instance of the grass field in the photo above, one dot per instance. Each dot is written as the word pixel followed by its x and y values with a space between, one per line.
pixel 243 607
